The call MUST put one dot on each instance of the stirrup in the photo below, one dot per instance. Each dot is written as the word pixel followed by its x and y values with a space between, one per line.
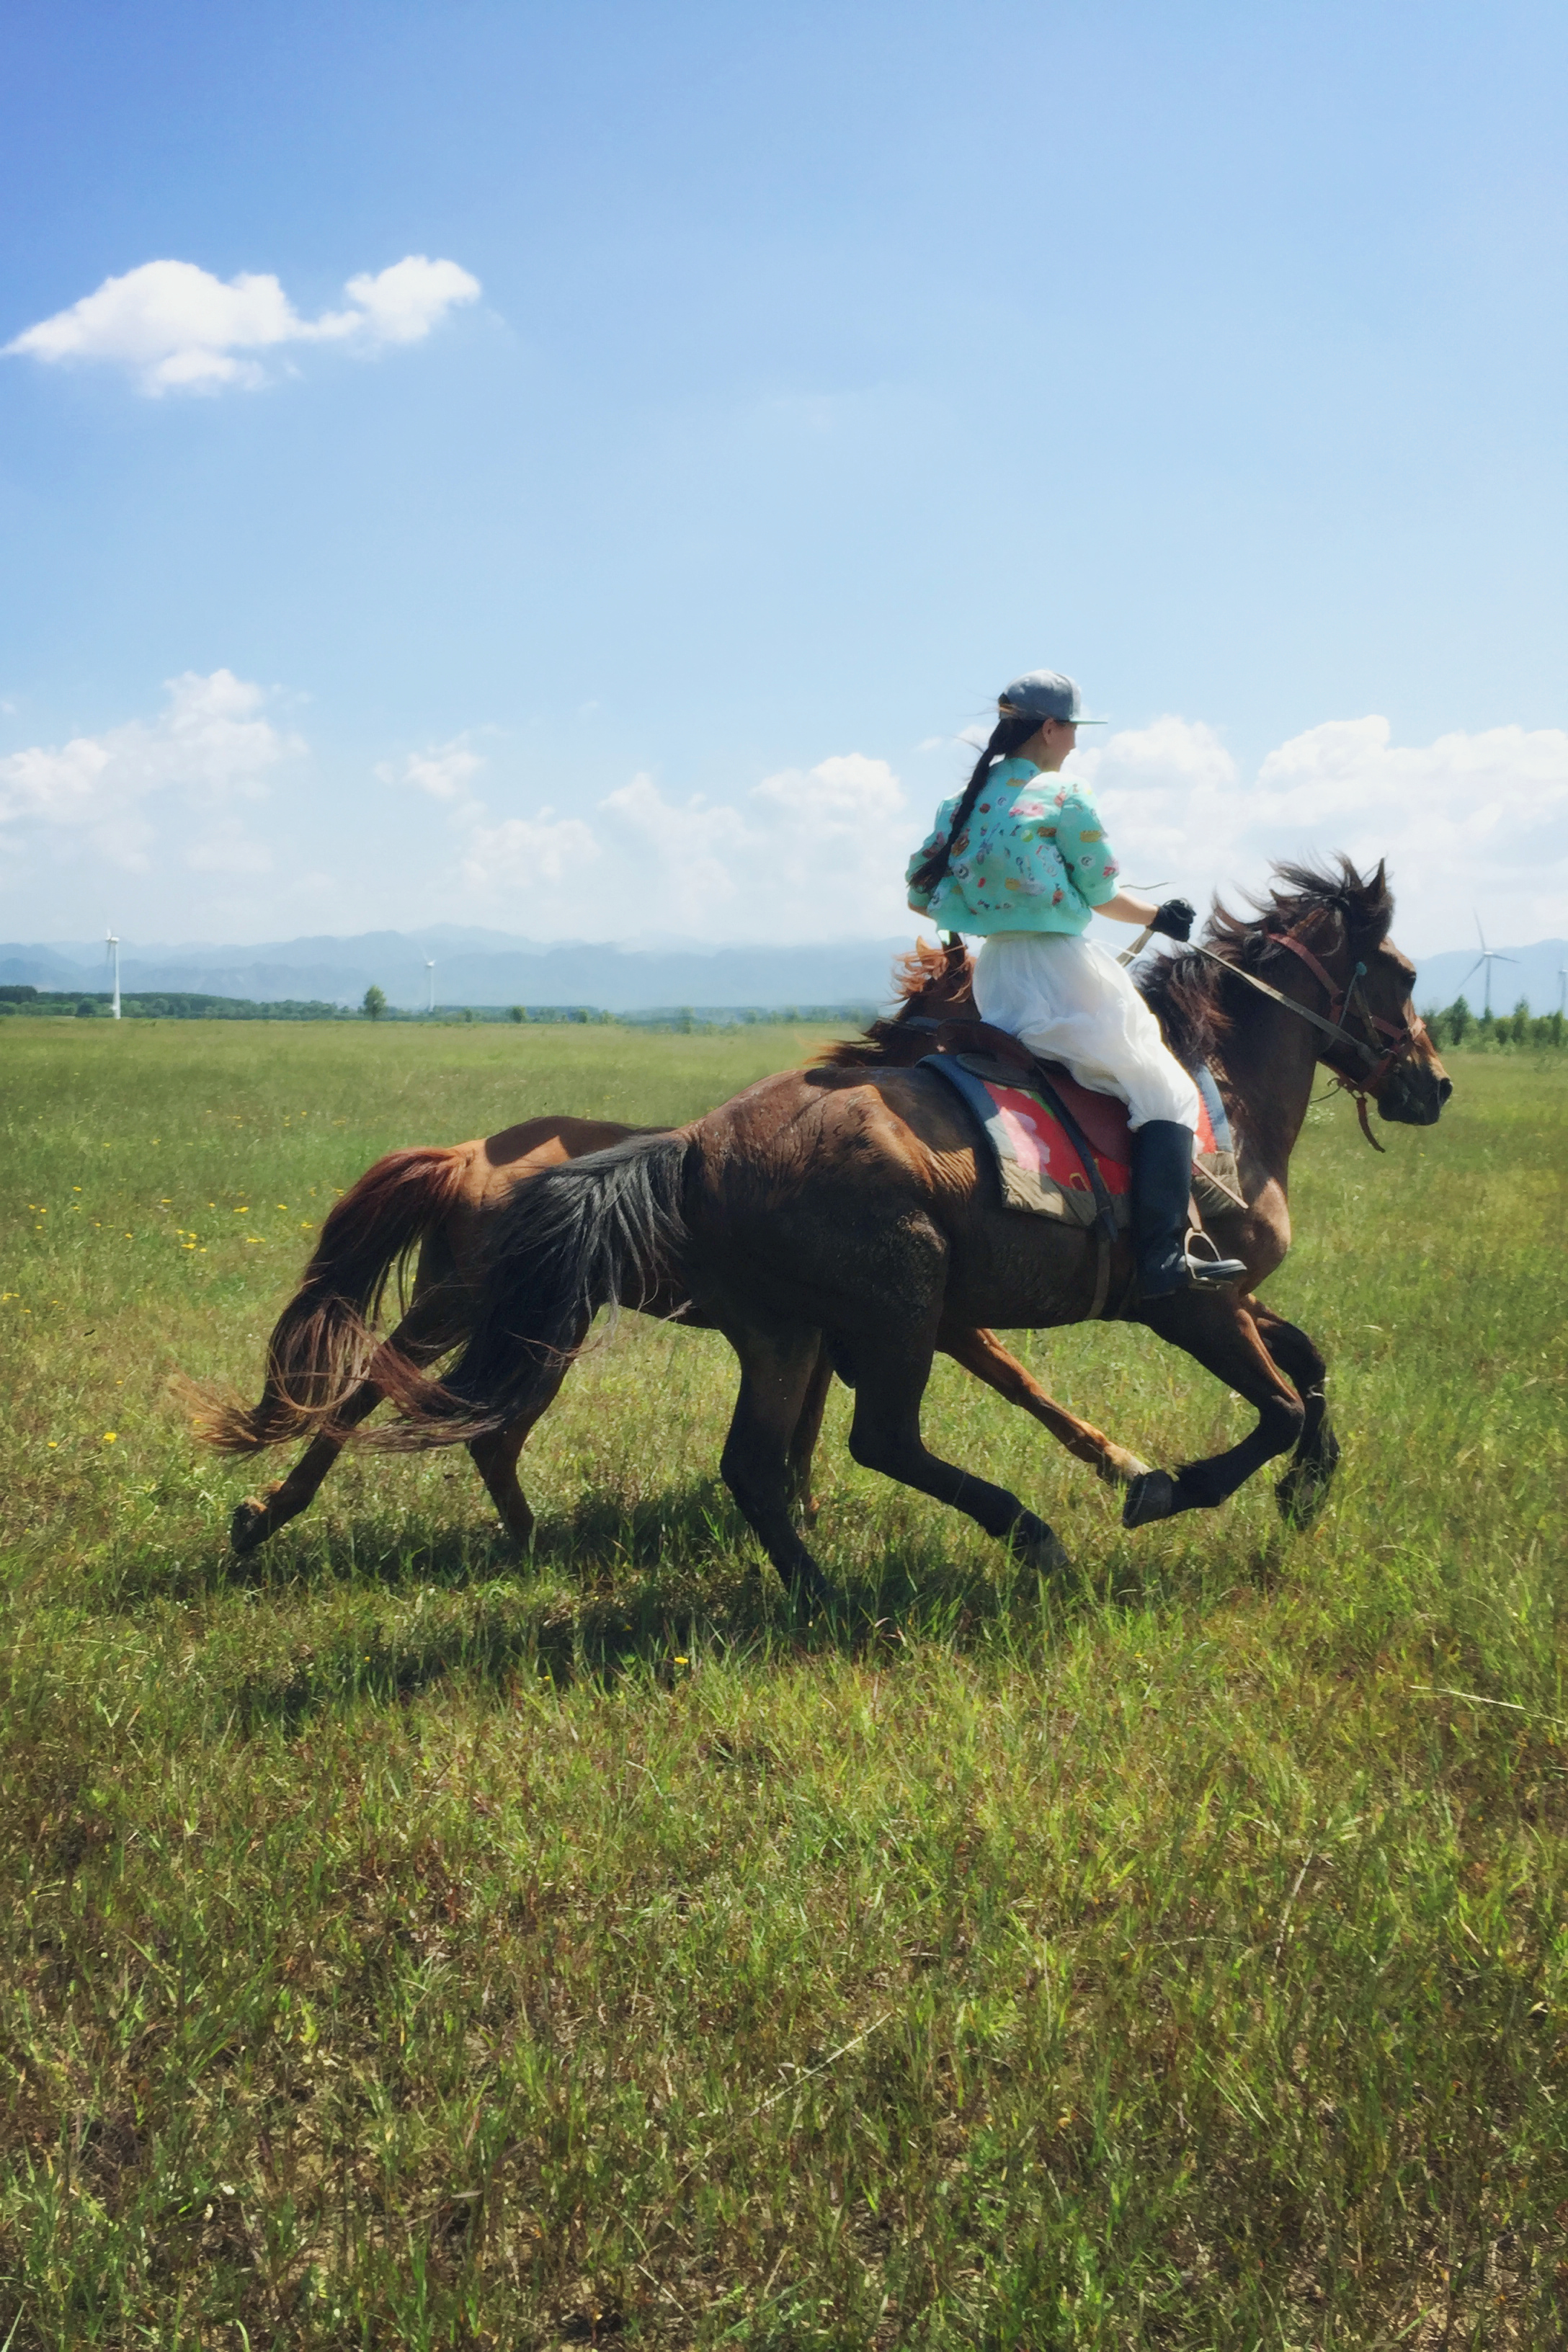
pixel 1213 1273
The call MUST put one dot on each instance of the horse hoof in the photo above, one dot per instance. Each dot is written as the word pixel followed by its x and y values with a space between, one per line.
pixel 1152 1497
pixel 1034 1545
pixel 248 1529
pixel 1116 1467
pixel 1300 1496
pixel 809 1592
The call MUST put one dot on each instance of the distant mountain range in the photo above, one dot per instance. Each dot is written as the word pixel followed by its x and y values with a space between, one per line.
pixel 480 967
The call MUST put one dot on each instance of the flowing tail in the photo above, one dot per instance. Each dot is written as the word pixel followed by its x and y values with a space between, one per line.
pixel 322 1343
pixel 603 1231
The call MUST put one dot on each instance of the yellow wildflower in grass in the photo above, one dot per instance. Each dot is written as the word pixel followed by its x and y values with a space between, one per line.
pixel 109 1435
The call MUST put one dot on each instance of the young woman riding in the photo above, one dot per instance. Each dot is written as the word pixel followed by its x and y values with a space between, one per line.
pixel 1020 860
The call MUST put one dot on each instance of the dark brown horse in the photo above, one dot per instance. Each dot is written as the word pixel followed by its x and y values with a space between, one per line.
pixel 326 1373
pixel 853 1209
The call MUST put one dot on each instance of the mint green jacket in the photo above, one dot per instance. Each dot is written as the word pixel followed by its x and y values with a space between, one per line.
pixel 1033 858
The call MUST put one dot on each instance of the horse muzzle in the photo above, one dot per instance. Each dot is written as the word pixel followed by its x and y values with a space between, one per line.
pixel 1413 1094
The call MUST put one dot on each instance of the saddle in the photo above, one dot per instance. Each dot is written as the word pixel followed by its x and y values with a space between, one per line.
pixel 1102 1118
pixel 1026 1106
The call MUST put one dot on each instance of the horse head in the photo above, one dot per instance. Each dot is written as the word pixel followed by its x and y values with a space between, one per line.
pixel 1329 929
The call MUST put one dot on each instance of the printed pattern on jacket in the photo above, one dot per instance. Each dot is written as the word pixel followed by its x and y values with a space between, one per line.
pixel 1033 858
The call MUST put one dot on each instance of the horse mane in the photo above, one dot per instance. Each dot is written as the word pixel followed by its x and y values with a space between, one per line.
pixel 1195 1001
pixel 930 981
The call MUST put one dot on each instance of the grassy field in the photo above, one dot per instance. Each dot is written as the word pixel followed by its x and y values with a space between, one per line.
pixel 407 1946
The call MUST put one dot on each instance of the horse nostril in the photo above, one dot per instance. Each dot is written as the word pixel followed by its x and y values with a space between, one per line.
pixel 1444 1089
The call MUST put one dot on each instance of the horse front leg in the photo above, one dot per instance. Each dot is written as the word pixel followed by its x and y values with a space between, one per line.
pixel 1304 1488
pixel 1219 1334
pixel 983 1354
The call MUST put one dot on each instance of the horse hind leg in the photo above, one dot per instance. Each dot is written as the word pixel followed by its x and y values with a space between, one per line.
pixel 1303 1492
pixel 425 1334
pixel 495 1457
pixel 807 1430
pixel 885 1435
pixel 260 1516
pixel 779 1372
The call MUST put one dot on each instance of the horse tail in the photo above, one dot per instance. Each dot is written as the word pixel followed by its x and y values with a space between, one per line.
pixel 322 1342
pixel 603 1231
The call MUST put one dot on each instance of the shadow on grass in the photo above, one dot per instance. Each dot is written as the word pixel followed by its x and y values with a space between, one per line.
pixel 645 1607
pixel 614 1589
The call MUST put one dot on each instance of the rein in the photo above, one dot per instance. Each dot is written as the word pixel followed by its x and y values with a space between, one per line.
pixel 1340 1000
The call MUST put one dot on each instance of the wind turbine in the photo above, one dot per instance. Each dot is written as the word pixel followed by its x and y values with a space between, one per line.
pixel 430 968
pixel 1484 961
pixel 112 951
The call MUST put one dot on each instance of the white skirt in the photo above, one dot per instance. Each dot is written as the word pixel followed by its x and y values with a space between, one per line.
pixel 1069 1001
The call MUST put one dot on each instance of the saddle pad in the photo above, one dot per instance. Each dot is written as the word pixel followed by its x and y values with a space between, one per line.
pixel 1038 1164
pixel 1039 1169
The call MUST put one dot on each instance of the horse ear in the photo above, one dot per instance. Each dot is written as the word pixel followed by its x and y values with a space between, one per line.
pixel 1378 903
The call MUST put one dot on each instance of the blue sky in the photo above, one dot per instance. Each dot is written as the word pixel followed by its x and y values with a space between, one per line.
pixel 823 366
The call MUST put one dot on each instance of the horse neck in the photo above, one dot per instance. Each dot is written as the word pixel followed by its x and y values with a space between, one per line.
pixel 950 998
pixel 1270 1066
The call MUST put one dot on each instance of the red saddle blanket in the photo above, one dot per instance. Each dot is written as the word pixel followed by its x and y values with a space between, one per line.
pixel 1102 1118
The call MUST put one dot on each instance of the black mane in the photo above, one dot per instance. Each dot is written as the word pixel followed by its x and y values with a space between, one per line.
pixel 1195 1001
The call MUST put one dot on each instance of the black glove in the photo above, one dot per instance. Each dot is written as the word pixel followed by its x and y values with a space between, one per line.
pixel 1174 919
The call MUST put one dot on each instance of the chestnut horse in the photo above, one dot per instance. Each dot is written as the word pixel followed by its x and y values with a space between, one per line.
pixel 323 1373
pixel 854 1211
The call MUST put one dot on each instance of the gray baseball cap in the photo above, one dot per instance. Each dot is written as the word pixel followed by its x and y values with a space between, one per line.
pixel 1045 694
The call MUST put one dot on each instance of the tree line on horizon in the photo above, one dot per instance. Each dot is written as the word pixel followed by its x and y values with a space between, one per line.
pixel 1456 1024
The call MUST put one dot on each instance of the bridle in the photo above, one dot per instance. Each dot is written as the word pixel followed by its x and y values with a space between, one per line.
pixel 1351 1000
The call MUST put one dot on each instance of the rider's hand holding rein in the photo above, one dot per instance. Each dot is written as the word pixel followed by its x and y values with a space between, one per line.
pixel 1020 858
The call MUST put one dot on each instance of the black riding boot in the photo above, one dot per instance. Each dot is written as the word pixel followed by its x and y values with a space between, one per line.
pixel 1161 1189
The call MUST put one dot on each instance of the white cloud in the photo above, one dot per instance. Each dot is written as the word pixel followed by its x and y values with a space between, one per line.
pixel 1468 823
pixel 1471 821
pixel 177 328
pixel 209 747
pixel 509 860
pixel 686 853
pixel 445 773
pixel 499 867
pixel 400 305
pixel 812 854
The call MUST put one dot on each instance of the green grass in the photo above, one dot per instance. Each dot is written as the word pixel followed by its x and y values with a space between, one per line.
pixel 406 1946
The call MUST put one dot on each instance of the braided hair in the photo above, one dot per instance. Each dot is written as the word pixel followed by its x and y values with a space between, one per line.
pixel 1012 730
